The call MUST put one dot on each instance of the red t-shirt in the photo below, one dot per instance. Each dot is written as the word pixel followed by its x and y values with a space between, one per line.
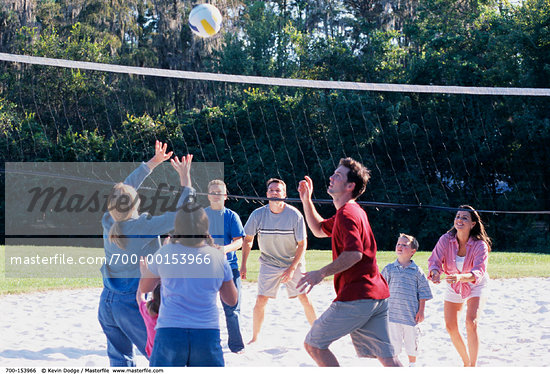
pixel 350 230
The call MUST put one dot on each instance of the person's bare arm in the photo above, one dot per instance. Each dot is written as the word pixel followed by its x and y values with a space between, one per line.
pixel 183 168
pixel 160 155
pixel 289 272
pixel 466 277
pixel 229 293
pixel 313 218
pixel 148 280
pixel 343 262
pixel 247 246
pixel 235 245
pixel 420 314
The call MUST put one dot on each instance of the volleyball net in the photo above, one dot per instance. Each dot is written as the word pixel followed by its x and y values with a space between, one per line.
pixel 429 148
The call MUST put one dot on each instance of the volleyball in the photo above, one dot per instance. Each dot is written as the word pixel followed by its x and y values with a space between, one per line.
pixel 205 20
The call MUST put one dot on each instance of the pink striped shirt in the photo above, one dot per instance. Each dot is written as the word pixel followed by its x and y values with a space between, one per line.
pixel 443 259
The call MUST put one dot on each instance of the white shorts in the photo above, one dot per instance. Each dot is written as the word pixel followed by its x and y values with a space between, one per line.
pixel 409 335
pixel 269 281
pixel 476 291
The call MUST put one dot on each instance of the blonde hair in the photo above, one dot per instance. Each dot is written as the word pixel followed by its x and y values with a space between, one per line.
pixel 122 202
pixel 412 240
pixel 217 182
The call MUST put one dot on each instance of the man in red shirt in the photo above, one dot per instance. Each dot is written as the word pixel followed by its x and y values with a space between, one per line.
pixel 361 307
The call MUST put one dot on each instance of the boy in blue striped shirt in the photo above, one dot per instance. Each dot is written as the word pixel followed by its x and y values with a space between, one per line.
pixel 409 290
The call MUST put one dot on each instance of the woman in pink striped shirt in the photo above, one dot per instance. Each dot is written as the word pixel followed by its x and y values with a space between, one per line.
pixel 462 254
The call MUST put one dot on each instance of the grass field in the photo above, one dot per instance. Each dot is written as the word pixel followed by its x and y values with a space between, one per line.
pixel 501 265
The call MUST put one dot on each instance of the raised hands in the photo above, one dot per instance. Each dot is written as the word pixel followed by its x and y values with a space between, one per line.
pixel 313 219
pixel 183 168
pixel 143 269
pixel 305 188
pixel 160 155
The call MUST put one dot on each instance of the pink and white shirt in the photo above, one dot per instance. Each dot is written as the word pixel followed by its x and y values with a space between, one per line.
pixel 443 259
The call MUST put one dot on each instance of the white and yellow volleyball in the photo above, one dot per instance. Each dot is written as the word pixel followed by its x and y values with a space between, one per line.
pixel 205 20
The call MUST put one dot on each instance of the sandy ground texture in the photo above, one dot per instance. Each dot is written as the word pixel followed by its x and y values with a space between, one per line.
pixel 60 329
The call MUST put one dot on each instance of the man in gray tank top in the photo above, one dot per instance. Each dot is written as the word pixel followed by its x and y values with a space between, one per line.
pixel 282 240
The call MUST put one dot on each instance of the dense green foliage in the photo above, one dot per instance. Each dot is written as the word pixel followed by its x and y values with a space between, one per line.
pixel 490 152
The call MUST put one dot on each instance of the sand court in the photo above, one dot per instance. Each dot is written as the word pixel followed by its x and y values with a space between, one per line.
pixel 60 328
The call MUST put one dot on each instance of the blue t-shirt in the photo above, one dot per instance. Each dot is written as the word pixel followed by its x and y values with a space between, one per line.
pixel 190 281
pixel 225 225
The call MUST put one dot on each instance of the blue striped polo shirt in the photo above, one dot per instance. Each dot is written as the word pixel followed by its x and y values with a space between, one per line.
pixel 407 286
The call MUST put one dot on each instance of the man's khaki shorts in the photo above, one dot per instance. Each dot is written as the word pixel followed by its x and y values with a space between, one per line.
pixel 269 280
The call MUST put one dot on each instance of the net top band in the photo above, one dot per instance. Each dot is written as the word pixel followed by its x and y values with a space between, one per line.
pixel 271 81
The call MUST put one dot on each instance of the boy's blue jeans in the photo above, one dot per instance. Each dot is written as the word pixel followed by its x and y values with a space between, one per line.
pixel 187 347
pixel 123 325
pixel 235 339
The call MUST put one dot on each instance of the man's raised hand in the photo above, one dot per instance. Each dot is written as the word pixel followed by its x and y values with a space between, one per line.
pixel 305 188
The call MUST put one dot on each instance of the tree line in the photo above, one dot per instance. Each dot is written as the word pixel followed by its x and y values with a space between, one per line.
pixel 423 149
